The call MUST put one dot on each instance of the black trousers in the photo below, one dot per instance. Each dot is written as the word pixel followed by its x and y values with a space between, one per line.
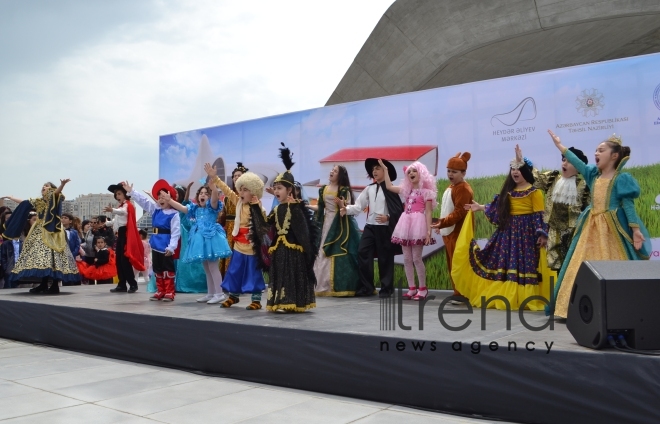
pixel 124 268
pixel 376 239
pixel 161 263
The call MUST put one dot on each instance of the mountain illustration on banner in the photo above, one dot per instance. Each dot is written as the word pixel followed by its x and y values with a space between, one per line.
pixel 525 111
pixel 266 171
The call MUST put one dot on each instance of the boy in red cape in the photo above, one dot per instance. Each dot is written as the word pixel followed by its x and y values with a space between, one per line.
pixel 165 240
pixel 129 249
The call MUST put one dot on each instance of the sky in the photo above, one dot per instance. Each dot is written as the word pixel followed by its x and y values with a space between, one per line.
pixel 87 87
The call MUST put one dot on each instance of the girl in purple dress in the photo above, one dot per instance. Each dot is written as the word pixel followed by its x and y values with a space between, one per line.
pixel 413 231
pixel 508 266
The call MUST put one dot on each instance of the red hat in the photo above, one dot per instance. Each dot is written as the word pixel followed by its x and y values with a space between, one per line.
pixel 163 185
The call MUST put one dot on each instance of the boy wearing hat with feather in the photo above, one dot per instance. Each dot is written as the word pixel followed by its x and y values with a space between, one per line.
pixel 385 208
pixel 165 240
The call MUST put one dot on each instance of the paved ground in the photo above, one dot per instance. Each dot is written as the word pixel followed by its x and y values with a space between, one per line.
pixel 46 385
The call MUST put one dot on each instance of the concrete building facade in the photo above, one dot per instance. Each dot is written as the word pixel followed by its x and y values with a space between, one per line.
pixel 423 44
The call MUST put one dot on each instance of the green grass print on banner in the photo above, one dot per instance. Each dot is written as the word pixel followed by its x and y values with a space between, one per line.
pixel 437 273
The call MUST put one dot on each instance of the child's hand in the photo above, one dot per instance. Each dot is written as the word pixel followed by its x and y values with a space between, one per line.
pixel 542 241
pixel 342 211
pixel 254 199
pixel 519 155
pixel 128 187
pixel 555 138
pixel 166 196
pixel 474 207
pixel 211 171
pixel 64 182
pixel 339 201
pixel 638 238
pixel 428 238
pixel 269 190
pixel 96 260
pixel 107 209
pixel 78 258
pixel 168 253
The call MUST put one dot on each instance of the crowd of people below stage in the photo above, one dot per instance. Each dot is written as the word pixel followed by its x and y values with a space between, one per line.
pixel 224 243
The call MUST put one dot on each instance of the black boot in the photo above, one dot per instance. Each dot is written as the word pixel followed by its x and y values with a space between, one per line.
pixel 54 287
pixel 41 288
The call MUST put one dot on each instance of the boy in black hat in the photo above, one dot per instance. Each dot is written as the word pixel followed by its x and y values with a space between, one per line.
pixel 384 211
pixel 130 251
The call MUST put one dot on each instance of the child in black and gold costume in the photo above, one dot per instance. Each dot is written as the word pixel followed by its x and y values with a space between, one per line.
pixel 292 252
pixel 45 253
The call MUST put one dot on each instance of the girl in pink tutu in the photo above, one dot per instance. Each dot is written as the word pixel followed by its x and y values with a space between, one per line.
pixel 413 231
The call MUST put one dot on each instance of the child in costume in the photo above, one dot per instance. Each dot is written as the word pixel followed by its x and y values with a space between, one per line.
pixel 244 274
pixel 609 229
pixel 508 265
pixel 130 252
pixel 336 266
pixel 567 195
pixel 165 240
pixel 292 278
pixel 413 231
pixel 146 274
pixel 104 268
pixel 207 242
pixel 385 208
pixel 227 217
pixel 45 253
pixel 452 211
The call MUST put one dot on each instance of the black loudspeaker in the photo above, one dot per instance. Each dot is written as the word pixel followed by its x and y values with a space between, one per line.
pixel 616 297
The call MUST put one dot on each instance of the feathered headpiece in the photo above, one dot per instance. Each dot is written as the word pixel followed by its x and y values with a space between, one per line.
pixel 286 177
pixel 240 168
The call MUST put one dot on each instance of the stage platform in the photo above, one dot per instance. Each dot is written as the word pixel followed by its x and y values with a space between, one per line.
pixel 356 347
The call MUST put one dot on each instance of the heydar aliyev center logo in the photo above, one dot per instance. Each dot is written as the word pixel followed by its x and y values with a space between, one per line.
pixel 590 102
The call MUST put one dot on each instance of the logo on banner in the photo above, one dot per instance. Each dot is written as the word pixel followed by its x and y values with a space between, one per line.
pixel 590 102
pixel 656 97
pixel 656 207
pixel 517 131
pixel 525 111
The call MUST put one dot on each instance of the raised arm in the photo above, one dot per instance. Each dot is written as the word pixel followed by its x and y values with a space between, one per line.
pixel 217 181
pixel 388 184
pixel 214 198
pixel 186 196
pixel 12 198
pixel 61 187
pixel 175 205
pixel 145 202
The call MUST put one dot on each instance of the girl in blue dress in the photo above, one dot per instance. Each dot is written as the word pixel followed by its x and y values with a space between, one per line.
pixel 207 240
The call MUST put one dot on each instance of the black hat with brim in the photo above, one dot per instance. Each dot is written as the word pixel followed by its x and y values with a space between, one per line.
pixel 369 164
pixel 114 187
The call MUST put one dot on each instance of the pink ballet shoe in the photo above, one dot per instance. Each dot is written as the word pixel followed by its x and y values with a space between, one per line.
pixel 421 294
pixel 412 292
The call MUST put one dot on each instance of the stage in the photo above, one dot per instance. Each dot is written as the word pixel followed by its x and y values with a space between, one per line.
pixel 356 347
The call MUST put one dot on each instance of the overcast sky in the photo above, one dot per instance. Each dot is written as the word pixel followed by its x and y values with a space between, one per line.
pixel 87 86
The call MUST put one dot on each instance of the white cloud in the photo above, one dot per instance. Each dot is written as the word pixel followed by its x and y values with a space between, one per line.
pixel 95 113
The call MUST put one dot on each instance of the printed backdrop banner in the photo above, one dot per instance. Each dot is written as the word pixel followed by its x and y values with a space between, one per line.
pixel 584 105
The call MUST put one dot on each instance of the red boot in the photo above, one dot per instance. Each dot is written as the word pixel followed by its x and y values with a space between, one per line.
pixel 160 288
pixel 168 280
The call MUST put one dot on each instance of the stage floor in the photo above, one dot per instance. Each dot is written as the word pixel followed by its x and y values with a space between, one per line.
pixel 356 347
